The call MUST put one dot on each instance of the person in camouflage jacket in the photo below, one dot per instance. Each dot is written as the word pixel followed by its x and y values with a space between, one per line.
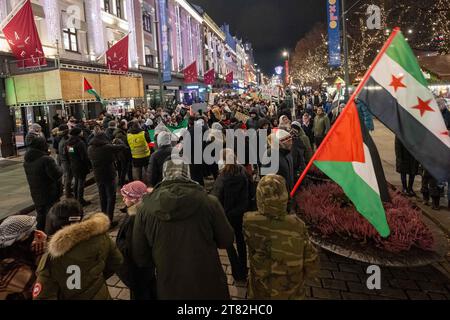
pixel 280 252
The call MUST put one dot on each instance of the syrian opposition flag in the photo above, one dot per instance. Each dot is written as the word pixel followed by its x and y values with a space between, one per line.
pixel 397 93
pixel 190 73
pixel 210 77
pixel 117 55
pixel 89 89
pixel 230 77
pixel 23 38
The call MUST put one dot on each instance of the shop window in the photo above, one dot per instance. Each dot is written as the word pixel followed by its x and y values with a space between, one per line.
pixel 70 38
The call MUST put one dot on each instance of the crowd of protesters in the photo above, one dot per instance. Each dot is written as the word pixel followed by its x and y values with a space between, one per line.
pixel 167 246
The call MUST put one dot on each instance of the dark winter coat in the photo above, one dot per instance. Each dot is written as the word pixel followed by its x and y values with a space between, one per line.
pixel 298 153
pixel 63 157
pixel 233 193
pixel 121 135
pixel 43 176
pixel 155 168
pixel 110 133
pixel 178 231
pixel 405 162
pixel 86 245
pixel 308 129
pixel 103 155
pixel 76 151
pixel 286 168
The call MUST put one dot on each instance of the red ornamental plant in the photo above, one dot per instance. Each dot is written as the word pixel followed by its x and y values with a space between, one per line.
pixel 327 210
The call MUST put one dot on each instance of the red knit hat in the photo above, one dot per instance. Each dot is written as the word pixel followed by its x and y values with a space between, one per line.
pixel 134 190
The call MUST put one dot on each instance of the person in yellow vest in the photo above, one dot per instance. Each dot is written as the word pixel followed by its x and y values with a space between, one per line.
pixel 138 141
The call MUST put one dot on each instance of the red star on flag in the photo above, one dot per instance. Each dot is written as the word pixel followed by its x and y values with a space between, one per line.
pixel 424 106
pixel 397 83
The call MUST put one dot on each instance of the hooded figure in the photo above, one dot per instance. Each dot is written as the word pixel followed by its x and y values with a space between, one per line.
pixel 177 230
pixel 280 253
pixel 157 159
pixel 86 245
pixel 34 132
pixel 252 123
pixel 44 178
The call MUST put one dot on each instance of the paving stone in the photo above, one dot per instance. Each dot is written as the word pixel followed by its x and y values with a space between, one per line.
pixel 308 292
pixel 224 260
pixel 238 292
pixel 437 296
pixel 114 292
pixel 399 274
pixel 354 268
pixel 432 287
pixel 326 294
pixel 112 281
pixel 313 283
pixel 403 284
pixel 230 279
pixel 358 287
pixel 325 274
pixel 355 296
pixel 333 266
pixel 241 284
pixel 346 276
pixel 334 284
pixel 393 293
pixel 124 295
pixel 120 284
pixel 417 295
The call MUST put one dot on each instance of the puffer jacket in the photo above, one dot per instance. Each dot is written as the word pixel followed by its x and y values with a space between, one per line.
pixel 87 246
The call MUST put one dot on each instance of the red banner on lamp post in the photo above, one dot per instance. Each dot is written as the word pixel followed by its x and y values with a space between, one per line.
pixel 117 56
pixel 190 73
pixel 23 38
pixel 230 77
pixel 210 77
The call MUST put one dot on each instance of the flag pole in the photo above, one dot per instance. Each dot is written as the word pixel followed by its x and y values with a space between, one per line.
pixel 352 98
pixel 12 14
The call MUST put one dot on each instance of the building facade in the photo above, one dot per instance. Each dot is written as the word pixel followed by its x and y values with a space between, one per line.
pixel 75 36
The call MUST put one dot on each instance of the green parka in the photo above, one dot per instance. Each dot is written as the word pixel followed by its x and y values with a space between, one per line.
pixel 85 247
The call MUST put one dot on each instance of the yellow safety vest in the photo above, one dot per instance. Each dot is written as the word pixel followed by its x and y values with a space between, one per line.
pixel 138 145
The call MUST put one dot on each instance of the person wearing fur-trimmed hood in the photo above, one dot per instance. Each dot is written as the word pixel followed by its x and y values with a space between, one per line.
pixel 86 250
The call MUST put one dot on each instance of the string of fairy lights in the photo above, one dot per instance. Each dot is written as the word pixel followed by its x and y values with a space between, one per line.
pixel 425 23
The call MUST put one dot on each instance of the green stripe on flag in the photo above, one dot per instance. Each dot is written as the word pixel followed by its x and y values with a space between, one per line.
pixel 400 51
pixel 365 199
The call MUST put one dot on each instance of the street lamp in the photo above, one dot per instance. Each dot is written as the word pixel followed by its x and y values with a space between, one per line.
pixel 287 56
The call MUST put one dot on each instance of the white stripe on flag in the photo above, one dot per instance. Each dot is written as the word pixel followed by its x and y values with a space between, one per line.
pixel 366 171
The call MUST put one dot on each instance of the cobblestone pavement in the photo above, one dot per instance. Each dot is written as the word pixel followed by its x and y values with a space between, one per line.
pixel 339 279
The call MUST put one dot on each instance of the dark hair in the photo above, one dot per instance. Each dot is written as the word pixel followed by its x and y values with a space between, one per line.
pixel 62 214
pixel 21 252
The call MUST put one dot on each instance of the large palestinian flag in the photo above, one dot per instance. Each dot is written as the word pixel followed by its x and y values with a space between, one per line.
pixel 397 93
pixel 350 158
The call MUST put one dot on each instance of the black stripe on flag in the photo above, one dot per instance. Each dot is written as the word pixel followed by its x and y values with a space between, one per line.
pixel 431 152
pixel 376 161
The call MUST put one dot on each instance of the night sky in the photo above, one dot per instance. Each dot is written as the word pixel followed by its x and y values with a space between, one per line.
pixel 270 25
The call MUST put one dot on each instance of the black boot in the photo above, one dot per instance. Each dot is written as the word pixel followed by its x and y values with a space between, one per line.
pixel 426 199
pixel 436 205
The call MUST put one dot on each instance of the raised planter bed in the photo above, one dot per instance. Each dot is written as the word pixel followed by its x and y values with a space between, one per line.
pixel 336 226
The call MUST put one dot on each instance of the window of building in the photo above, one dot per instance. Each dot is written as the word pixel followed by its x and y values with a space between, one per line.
pixel 178 40
pixel 147 21
pixel 119 8
pixel 70 38
pixel 150 60
pixel 107 5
